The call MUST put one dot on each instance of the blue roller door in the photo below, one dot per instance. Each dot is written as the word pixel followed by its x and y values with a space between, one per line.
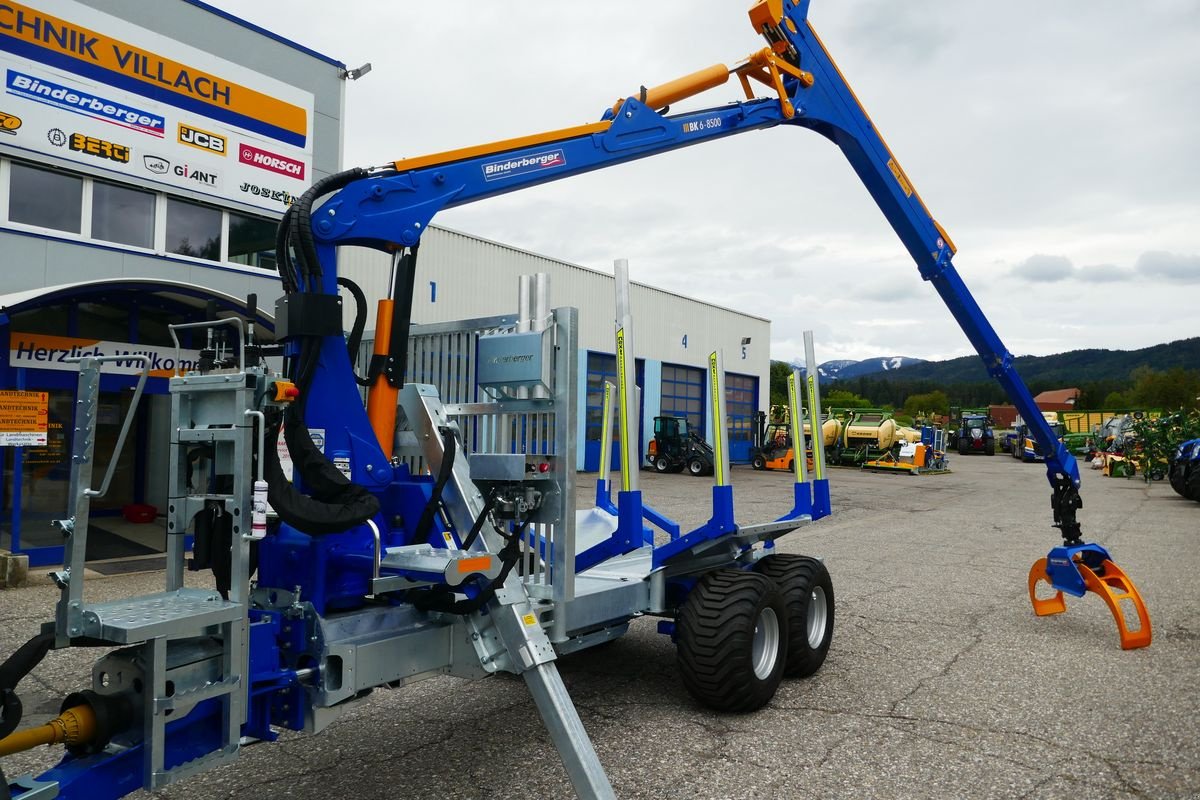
pixel 741 404
pixel 602 367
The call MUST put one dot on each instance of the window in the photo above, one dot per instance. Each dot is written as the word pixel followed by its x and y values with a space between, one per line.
pixel 683 394
pixel 251 241
pixel 105 211
pixel 45 198
pixel 122 215
pixel 193 230
pixel 601 367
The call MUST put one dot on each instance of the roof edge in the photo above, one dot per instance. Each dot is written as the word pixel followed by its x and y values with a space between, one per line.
pixel 269 34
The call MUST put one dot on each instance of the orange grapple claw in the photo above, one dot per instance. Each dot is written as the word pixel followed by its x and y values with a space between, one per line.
pixel 1107 580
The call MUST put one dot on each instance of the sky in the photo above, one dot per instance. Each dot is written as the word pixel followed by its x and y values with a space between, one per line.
pixel 1057 142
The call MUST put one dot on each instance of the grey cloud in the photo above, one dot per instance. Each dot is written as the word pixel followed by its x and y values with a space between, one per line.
pixel 775 221
pixel 1171 266
pixel 1105 273
pixel 1045 269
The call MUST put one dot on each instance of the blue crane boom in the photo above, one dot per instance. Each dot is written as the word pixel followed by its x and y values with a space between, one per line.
pixel 390 207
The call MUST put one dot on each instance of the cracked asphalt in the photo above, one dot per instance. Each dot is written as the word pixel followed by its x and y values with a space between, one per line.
pixel 941 682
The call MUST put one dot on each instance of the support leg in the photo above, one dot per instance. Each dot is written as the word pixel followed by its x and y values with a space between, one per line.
pixel 567 732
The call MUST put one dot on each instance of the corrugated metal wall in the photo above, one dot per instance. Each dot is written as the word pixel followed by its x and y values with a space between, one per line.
pixel 477 278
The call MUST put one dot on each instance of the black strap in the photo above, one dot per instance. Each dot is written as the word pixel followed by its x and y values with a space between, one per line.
pixel 449 450
pixel 18 665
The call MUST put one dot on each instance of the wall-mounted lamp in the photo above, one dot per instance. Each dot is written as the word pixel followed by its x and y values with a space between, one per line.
pixel 355 74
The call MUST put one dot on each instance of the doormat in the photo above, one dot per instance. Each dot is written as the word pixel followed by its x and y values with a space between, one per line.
pixel 103 545
pixel 128 566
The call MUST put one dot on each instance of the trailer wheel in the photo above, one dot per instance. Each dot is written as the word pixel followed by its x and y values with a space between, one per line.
pixel 759 462
pixel 696 466
pixel 661 465
pixel 808 591
pixel 733 640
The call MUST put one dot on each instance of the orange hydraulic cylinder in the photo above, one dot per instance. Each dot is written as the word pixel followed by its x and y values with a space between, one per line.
pixel 381 399
pixel 682 88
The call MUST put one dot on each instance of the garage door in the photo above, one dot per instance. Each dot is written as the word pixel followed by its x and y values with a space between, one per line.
pixel 741 404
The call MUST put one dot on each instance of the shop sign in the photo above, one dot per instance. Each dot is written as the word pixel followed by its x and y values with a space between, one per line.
pixel 24 418
pixel 42 351
pixel 97 90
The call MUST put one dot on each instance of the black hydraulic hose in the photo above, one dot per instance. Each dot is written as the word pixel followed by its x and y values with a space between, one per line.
pixel 439 598
pixel 310 265
pixel 283 256
pixel 16 667
pixel 360 324
pixel 337 504
pixel 478 526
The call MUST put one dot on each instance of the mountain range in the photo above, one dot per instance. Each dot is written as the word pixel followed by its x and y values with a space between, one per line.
pixel 1063 369
pixel 845 369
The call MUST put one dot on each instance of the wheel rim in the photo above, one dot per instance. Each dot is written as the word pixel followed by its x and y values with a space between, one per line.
pixel 765 650
pixel 818 617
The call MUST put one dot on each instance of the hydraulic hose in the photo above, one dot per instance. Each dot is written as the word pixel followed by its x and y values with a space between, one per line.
pixel 360 324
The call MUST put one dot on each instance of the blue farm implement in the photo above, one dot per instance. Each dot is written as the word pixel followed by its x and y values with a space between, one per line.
pixel 433 532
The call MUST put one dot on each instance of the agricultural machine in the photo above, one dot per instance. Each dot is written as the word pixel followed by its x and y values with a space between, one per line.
pixel 434 531
pixel 863 435
pixel 676 447
pixel 975 434
pixel 1183 470
pixel 771 444
pixel 1021 443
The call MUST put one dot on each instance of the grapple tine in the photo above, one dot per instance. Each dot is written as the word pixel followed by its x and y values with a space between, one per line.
pixel 1115 586
pixel 1050 605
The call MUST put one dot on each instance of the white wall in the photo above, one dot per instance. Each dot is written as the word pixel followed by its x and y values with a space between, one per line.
pixel 478 278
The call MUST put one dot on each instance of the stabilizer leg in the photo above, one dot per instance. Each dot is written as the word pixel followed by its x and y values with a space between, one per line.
pixel 566 730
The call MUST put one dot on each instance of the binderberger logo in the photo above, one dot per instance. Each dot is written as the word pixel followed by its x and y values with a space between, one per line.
pixel 511 167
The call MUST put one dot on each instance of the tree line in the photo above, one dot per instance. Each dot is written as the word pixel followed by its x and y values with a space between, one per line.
pixel 1145 387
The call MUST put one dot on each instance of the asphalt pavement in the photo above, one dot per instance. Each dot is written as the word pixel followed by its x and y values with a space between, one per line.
pixel 940 683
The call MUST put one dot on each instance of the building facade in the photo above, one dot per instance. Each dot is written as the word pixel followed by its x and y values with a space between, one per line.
pixel 465 277
pixel 147 152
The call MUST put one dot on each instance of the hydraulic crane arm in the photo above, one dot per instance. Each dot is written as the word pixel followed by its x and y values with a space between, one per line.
pixel 390 207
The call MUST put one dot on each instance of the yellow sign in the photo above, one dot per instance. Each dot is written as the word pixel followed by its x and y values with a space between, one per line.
pixel 9 122
pixel 202 139
pixel 93 51
pixel 23 418
pixel 622 407
pixel 901 178
pixel 99 148
pixel 714 375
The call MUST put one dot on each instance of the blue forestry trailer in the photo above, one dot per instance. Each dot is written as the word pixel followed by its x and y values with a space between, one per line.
pixel 435 530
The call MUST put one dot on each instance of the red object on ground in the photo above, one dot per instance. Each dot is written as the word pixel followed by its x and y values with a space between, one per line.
pixel 139 512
